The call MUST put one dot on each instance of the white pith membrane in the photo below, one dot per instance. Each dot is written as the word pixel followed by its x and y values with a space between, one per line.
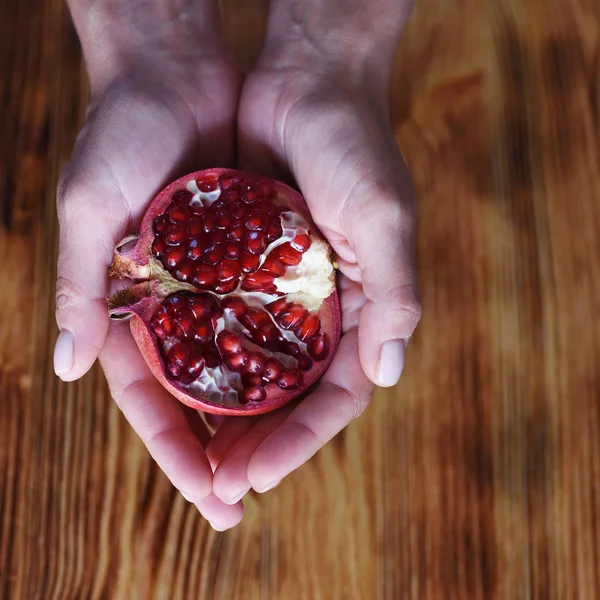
pixel 309 283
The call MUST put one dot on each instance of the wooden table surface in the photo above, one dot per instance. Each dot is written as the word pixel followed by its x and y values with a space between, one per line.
pixel 477 477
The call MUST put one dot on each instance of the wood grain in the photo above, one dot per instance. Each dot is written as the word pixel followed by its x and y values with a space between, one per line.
pixel 477 477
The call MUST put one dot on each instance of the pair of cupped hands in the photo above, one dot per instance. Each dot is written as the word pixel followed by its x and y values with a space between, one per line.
pixel 301 118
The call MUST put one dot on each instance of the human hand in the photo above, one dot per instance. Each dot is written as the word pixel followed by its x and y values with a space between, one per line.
pixel 163 99
pixel 315 112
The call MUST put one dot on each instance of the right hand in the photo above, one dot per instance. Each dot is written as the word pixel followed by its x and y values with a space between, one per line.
pixel 160 116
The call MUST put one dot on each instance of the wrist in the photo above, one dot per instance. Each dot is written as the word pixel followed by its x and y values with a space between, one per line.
pixel 351 39
pixel 118 36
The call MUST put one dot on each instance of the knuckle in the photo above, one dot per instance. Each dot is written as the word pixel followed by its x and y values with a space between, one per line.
pixel 407 306
pixel 359 406
pixel 68 295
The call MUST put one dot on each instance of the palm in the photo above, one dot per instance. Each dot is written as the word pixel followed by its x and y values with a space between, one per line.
pixel 137 137
pixel 324 141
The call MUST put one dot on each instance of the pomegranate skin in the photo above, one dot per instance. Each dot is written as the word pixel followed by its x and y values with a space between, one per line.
pixel 141 301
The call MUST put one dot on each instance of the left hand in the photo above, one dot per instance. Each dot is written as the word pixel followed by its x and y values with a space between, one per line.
pixel 327 131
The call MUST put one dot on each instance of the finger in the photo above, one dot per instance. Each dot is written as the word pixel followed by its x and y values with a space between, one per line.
pixel 102 193
pixel 230 482
pixel 352 301
pixel 221 516
pixel 389 278
pixel 226 436
pixel 82 280
pixel 342 395
pixel 155 415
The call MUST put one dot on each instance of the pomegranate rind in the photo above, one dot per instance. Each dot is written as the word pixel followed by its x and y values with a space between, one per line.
pixel 138 263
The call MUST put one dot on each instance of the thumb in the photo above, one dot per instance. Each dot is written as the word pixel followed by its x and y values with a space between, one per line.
pixel 381 233
pixel 82 280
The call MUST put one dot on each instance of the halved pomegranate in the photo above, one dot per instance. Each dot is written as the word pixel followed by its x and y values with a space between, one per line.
pixel 235 310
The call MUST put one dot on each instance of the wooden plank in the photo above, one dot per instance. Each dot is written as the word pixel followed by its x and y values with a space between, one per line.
pixel 477 477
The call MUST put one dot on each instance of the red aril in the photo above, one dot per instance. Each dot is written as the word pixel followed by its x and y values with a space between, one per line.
pixel 235 307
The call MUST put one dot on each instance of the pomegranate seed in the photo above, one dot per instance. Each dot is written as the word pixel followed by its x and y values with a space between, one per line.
pixel 160 224
pixel 301 242
pixel 179 354
pixel 204 276
pixel 208 222
pixel 158 247
pixel 250 196
pixel 250 380
pixel 228 270
pixel 238 210
pixel 228 182
pixel 213 255
pixel 232 250
pixel 194 227
pixel 215 237
pixel 174 370
pixel 318 347
pixel 257 281
pixel 236 362
pixel 175 234
pixel 195 365
pixel 287 255
pixel 185 321
pixel 255 242
pixel 212 358
pixel 185 271
pixel 167 326
pixel 198 208
pixel 273 266
pixel 163 321
pixel 277 306
pixel 229 196
pixel 235 231
pixel 256 220
pixel 256 319
pixel 273 370
pixel 223 220
pixel 292 317
pixel 273 230
pixel 249 262
pixel 226 287
pixel 200 306
pixel 309 328
pixel 203 332
pixel 159 331
pixel 195 249
pixel 228 342
pixel 255 393
pixel 207 184
pixel 292 349
pixel 173 256
pixel 235 304
pixel 304 362
pixel 179 214
pixel 174 302
pixel 289 379
pixel 265 335
pixel 256 363
pixel 182 196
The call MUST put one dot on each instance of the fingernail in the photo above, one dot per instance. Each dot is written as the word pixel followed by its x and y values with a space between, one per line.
pixel 268 487
pixel 239 496
pixel 391 362
pixel 63 352
pixel 215 527
pixel 186 497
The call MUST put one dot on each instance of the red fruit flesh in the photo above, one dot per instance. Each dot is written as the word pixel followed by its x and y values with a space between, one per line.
pixel 235 308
